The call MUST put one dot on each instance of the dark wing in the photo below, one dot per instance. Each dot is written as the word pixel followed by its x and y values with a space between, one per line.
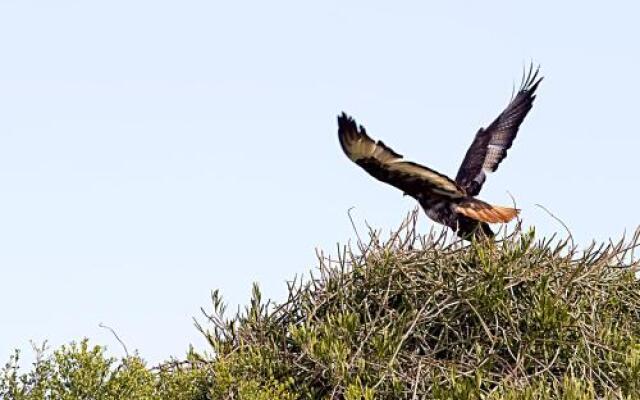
pixel 388 166
pixel 490 145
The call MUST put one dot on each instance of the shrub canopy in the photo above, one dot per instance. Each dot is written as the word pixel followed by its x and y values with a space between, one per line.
pixel 407 317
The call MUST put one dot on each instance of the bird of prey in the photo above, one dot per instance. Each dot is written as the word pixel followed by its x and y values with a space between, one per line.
pixel 446 201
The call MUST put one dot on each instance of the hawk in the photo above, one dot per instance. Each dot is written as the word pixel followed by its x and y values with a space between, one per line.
pixel 446 201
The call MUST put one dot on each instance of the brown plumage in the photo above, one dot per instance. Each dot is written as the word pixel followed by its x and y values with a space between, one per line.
pixel 481 211
pixel 446 201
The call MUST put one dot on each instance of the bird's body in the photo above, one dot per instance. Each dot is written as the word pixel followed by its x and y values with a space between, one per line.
pixel 448 202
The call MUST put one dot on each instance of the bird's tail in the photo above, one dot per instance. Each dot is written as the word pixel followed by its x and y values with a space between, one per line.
pixel 481 211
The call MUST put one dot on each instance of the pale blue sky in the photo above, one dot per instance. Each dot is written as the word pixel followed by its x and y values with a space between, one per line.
pixel 151 151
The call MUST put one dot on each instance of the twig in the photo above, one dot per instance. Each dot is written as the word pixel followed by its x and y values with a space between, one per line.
pixel 353 225
pixel 101 325
pixel 415 385
pixel 560 221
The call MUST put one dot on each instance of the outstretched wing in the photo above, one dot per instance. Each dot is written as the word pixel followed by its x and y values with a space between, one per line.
pixel 388 166
pixel 490 145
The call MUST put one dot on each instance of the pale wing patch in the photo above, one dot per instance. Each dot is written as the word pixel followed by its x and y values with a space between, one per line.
pixel 384 154
pixel 495 153
pixel 359 148
pixel 367 148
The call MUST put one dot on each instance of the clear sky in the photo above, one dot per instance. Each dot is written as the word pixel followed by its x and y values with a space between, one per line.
pixel 151 151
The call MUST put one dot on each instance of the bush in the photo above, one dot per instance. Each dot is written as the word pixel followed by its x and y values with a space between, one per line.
pixel 416 317
pixel 80 371
pixel 410 317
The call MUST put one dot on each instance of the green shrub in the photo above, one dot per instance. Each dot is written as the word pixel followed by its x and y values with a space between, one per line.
pixel 79 371
pixel 409 317
pixel 428 317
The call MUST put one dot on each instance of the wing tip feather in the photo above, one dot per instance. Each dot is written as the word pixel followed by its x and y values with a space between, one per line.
pixel 530 80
